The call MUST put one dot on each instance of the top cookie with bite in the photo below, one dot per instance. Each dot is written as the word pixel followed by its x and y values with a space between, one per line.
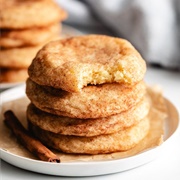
pixel 73 63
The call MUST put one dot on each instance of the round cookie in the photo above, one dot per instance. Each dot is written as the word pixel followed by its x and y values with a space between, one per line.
pixel 28 37
pixel 18 14
pixel 13 75
pixel 120 141
pixel 88 127
pixel 72 63
pixel 18 57
pixel 92 102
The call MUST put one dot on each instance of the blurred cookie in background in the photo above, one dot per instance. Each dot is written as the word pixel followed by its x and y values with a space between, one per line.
pixel 13 75
pixel 18 57
pixel 18 14
pixel 25 27
pixel 28 37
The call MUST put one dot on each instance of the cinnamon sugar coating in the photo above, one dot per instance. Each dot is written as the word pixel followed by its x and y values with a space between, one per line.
pixel 73 63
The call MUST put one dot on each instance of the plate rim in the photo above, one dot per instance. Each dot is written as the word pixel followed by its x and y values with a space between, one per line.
pixel 75 168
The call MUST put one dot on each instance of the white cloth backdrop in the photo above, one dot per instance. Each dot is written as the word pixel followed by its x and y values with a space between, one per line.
pixel 152 26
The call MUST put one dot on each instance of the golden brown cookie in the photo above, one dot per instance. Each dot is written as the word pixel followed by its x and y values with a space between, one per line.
pixel 13 75
pixel 18 57
pixel 73 63
pixel 120 141
pixel 19 14
pixel 88 127
pixel 28 37
pixel 92 102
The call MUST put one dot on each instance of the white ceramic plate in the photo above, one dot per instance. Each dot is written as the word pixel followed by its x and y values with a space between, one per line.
pixel 88 168
pixel 8 85
pixel 67 31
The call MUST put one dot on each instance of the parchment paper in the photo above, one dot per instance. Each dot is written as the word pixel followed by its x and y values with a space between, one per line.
pixel 157 115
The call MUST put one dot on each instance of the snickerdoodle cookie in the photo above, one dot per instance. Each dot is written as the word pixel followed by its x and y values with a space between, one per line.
pixel 120 141
pixel 73 63
pixel 19 14
pixel 28 37
pixel 88 127
pixel 18 57
pixel 13 75
pixel 92 102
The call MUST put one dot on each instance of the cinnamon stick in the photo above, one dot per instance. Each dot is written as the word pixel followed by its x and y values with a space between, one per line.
pixel 27 140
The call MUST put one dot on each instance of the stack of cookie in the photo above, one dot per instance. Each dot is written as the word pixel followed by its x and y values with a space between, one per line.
pixel 25 27
pixel 88 96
